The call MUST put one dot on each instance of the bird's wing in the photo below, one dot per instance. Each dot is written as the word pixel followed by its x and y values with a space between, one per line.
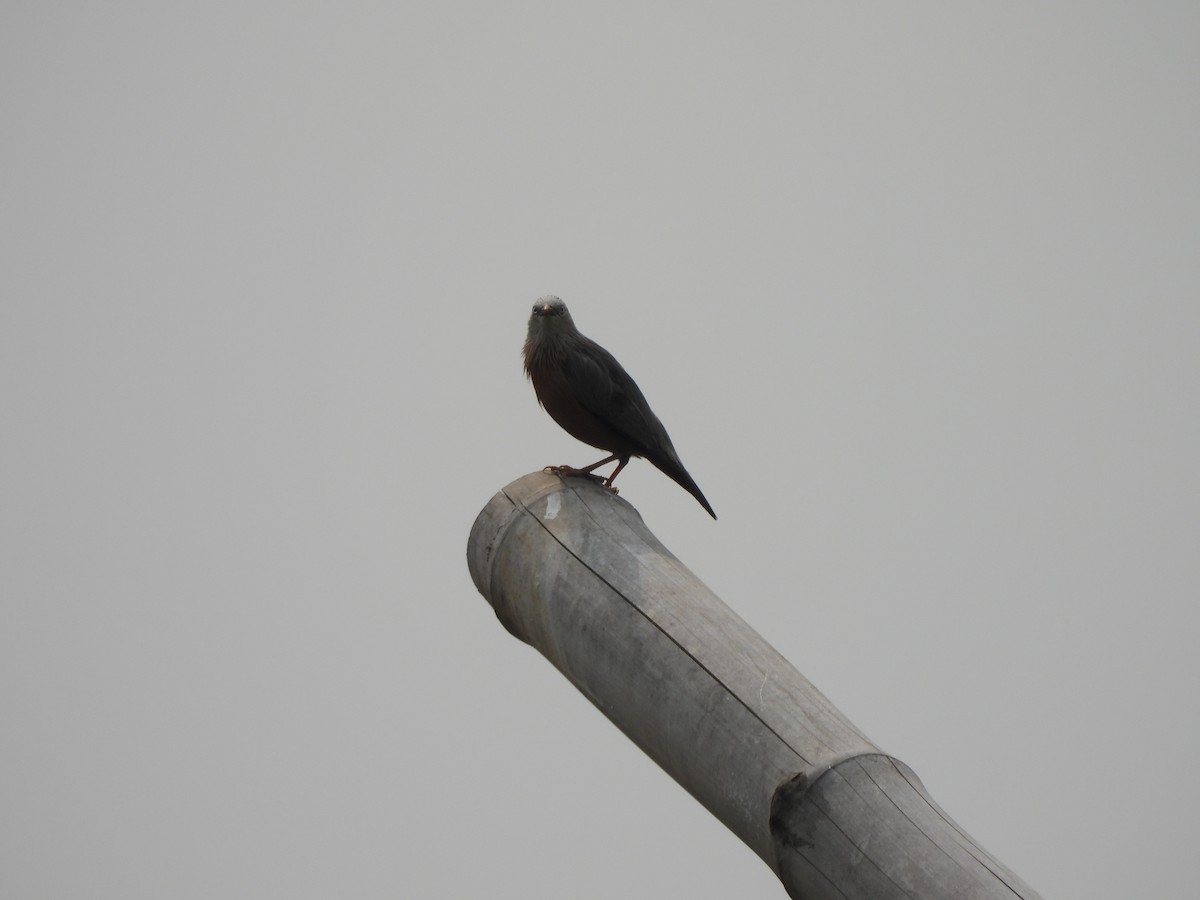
pixel 606 390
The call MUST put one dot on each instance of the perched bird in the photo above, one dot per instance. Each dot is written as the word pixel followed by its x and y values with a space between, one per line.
pixel 592 397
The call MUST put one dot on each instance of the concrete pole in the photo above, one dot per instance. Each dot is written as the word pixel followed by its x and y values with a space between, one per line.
pixel 573 571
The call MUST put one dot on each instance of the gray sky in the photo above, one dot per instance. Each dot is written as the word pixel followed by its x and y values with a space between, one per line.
pixel 915 289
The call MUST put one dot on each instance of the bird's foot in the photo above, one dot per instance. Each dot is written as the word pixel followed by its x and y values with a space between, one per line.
pixel 578 473
pixel 581 473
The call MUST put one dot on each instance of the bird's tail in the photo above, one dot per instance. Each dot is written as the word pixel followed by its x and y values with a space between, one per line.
pixel 674 470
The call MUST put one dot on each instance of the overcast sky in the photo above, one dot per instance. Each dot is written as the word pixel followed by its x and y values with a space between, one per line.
pixel 915 289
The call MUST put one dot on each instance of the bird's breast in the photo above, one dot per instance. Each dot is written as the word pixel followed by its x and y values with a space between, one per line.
pixel 560 400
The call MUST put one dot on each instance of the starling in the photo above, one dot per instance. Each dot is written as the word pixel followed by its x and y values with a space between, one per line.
pixel 592 397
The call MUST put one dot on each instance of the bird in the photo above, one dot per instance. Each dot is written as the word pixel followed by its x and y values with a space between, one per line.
pixel 591 396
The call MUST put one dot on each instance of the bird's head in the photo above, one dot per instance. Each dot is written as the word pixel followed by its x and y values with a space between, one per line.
pixel 551 331
pixel 550 316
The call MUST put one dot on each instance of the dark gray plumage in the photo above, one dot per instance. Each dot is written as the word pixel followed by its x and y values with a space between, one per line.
pixel 592 397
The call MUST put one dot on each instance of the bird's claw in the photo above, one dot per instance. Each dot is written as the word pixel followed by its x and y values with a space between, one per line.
pixel 582 473
pixel 578 473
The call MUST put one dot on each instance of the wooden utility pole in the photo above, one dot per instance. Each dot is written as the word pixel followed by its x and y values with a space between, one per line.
pixel 573 571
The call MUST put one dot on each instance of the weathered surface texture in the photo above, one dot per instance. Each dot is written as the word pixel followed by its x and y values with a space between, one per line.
pixel 572 570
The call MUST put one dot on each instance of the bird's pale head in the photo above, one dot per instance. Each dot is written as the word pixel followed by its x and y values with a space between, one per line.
pixel 551 331
pixel 550 317
pixel 548 309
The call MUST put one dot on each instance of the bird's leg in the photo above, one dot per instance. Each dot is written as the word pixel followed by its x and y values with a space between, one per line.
pixel 587 471
pixel 608 483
